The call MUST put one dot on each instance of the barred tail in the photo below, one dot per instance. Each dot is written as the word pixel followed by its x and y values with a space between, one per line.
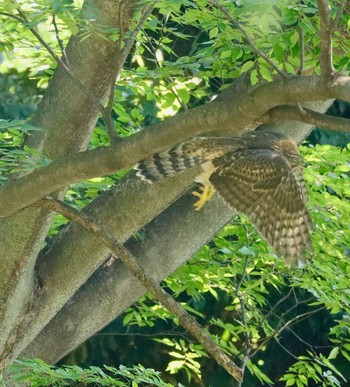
pixel 167 163
pixel 196 151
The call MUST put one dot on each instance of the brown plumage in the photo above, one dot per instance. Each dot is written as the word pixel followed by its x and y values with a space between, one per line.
pixel 259 175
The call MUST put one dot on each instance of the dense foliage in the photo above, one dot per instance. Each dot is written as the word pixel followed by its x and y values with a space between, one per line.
pixel 289 327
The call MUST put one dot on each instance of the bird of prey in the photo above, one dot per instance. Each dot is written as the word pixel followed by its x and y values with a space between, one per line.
pixel 259 175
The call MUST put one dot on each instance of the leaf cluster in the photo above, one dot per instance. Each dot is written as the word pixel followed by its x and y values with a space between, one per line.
pixel 40 374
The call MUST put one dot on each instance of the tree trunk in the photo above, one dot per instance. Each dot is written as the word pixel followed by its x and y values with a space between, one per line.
pixel 67 117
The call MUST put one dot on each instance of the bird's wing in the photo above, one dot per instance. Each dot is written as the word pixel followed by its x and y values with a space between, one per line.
pixel 261 184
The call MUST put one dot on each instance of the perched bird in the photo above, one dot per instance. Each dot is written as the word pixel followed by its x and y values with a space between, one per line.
pixel 259 175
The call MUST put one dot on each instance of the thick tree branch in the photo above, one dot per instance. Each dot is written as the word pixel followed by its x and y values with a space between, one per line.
pixel 298 113
pixel 106 112
pixel 236 116
pixel 123 210
pixel 67 117
pixel 186 320
pixel 326 55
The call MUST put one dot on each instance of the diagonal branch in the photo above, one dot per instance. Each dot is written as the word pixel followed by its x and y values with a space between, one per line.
pixel 326 60
pixel 235 116
pixel 186 320
pixel 247 37
pixel 298 113
pixel 286 325
pixel 59 40
pixel 74 251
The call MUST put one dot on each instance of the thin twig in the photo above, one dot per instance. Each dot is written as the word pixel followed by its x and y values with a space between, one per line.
pixel 302 51
pixel 131 263
pixel 247 37
pixel 144 15
pixel 67 70
pixel 302 114
pixel 326 60
pixel 12 16
pixel 286 349
pixel 59 40
pixel 286 325
pixel 272 310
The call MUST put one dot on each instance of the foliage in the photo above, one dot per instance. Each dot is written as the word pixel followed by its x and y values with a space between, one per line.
pixel 15 157
pixel 39 374
pixel 251 300
pixel 291 326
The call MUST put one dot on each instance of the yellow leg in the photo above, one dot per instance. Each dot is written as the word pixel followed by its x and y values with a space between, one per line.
pixel 207 191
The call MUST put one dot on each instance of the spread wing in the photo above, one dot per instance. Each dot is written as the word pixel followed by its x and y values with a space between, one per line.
pixel 261 184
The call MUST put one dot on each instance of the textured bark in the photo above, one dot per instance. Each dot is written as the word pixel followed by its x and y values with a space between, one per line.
pixel 67 118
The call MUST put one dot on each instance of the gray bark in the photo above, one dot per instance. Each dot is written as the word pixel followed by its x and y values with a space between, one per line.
pixel 67 118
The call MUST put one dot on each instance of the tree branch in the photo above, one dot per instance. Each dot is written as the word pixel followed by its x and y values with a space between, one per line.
pixel 59 61
pixel 247 37
pixel 59 40
pixel 298 113
pixel 157 253
pixel 237 116
pixel 326 60
pixel 341 8
pixel 67 117
pixel 186 320
pixel 302 51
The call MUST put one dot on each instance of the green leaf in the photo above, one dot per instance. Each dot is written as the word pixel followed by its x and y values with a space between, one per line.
pixel 278 52
pixel 247 66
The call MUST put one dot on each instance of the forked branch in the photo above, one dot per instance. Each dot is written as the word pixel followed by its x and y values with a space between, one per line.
pixel 186 320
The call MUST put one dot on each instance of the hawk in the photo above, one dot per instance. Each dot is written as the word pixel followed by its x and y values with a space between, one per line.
pixel 259 175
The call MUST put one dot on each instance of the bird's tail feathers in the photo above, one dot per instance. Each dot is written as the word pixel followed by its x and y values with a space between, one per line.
pixel 186 155
pixel 167 163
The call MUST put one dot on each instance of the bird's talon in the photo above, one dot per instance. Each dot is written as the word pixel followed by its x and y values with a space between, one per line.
pixel 205 195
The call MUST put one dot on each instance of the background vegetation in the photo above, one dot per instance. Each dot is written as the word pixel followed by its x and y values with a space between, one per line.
pixel 283 327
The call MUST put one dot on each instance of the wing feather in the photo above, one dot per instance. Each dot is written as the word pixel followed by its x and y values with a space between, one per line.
pixel 261 184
